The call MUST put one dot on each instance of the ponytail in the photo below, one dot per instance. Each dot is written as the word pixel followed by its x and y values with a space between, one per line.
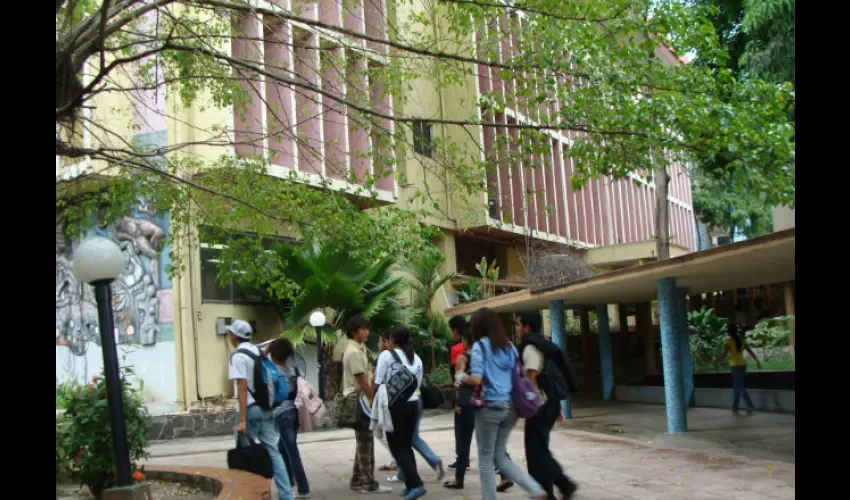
pixel 402 339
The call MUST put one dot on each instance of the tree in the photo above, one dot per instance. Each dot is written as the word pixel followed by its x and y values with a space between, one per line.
pixel 759 40
pixel 423 277
pixel 598 72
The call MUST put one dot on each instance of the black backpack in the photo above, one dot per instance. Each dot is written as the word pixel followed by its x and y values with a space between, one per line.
pixel 557 380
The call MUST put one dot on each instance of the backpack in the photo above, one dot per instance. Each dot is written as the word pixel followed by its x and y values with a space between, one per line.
pixel 401 384
pixel 270 388
pixel 527 399
pixel 312 412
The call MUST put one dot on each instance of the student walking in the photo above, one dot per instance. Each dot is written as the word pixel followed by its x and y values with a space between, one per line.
pixel 735 348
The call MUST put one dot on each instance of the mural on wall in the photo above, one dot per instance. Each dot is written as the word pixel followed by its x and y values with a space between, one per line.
pixel 141 295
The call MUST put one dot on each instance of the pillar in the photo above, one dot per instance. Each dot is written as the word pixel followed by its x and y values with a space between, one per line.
pixel 557 325
pixel 683 333
pixel 671 348
pixel 584 328
pixel 643 321
pixel 606 361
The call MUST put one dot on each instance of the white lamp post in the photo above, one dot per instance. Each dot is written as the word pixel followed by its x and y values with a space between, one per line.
pixel 317 321
pixel 98 261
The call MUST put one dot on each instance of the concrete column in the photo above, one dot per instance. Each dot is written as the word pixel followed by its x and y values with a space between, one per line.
pixel 685 338
pixel 584 327
pixel 557 325
pixel 671 348
pixel 606 360
pixel 643 321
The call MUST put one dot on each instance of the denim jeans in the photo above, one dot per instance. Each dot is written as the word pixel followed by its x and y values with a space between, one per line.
pixel 260 426
pixel 420 446
pixel 493 425
pixel 287 425
pixel 738 387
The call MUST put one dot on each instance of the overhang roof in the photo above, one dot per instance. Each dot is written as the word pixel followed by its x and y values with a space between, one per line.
pixel 760 261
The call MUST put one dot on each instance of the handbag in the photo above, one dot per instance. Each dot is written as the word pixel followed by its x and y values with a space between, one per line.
pixel 250 456
pixel 401 384
pixel 349 410
pixel 526 398
pixel 431 395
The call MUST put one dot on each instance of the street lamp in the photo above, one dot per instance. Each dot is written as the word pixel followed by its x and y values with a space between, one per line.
pixel 317 320
pixel 98 261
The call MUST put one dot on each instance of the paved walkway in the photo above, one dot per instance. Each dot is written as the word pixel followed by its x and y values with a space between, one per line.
pixel 638 464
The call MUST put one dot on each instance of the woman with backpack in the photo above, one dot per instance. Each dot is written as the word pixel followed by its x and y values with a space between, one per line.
pixel 400 371
pixel 286 416
pixel 468 401
pixel 493 362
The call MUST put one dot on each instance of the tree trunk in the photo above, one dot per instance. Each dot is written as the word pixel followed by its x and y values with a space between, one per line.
pixel 662 227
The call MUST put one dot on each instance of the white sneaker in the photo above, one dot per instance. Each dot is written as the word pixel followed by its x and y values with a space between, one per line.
pixel 393 479
pixel 380 489
pixel 302 496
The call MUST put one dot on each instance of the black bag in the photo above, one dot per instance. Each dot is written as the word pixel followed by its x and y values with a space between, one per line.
pixel 401 384
pixel 250 456
pixel 431 395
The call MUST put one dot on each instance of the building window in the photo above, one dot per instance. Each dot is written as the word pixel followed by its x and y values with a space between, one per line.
pixel 211 289
pixel 423 138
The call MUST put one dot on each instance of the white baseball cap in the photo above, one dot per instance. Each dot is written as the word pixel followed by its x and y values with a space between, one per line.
pixel 241 329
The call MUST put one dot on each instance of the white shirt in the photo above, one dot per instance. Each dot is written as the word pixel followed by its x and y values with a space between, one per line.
pixel 387 366
pixel 532 359
pixel 242 368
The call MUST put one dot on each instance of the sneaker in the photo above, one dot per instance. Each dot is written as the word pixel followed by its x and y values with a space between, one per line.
pixel 438 468
pixel 393 479
pixel 302 496
pixel 452 465
pixel 378 489
pixel 415 493
pixel 567 493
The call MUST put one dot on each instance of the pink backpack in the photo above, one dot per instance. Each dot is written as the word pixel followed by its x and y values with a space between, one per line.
pixel 312 413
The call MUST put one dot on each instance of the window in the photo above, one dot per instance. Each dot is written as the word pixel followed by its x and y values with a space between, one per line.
pixel 422 138
pixel 211 289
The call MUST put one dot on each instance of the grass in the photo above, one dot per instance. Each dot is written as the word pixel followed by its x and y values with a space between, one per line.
pixel 772 364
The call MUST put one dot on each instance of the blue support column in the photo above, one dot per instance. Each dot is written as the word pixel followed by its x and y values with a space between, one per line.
pixel 557 325
pixel 606 360
pixel 671 353
pixel 685 338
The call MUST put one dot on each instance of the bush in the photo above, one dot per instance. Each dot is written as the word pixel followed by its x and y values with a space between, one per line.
pixel 64 393
pixel 770 336
pixel 441 375
pixel 84 435
pixel 707 335
pixel 424 331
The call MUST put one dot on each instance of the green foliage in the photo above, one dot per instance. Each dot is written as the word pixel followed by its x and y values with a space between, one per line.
pixel 432 339
pixel 470 291
pixel 65 392
pixel 423 276
pixel 771 336
pixel 721 204
pixel 84 439
pixel 707 336
pixel 441 375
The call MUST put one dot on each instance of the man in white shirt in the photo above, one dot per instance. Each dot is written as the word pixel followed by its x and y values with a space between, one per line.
pixel 253 421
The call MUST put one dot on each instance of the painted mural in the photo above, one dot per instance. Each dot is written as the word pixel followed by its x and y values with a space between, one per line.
pixel 141 304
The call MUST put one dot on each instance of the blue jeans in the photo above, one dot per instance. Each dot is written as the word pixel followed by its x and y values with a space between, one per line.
pixel 287 425
pixel 420 446
pixel 493 425
pixel 738 387
pixel 260 426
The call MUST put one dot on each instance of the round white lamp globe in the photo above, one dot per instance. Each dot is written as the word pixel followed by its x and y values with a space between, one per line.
pixel 98 259
pixel 317 319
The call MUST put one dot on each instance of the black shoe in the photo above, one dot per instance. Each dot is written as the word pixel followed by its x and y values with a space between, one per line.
pixel 505 486
pixel 453 485
pixel 567 493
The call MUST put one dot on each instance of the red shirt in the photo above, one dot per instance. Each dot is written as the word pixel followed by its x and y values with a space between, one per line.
pixel 455 351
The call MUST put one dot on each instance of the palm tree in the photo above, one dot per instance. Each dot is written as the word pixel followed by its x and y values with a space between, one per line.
pixel 423 278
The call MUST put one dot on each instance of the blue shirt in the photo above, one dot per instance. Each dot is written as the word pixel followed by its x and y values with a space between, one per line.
pixel 496 368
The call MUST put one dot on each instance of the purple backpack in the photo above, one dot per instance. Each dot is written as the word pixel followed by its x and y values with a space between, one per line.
pixel 526 397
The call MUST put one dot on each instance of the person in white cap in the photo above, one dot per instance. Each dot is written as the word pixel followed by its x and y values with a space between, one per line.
pixel 254 421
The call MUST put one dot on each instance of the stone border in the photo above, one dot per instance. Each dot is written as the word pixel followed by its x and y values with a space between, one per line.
pixel 226 484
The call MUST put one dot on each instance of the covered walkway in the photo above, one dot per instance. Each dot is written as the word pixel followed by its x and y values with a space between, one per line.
pixel 746 264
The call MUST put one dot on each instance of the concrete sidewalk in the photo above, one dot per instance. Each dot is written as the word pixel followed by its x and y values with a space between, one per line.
pixel 605 467
pixel 769 436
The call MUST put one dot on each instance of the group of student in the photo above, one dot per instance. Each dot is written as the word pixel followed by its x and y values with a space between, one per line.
pixel 485 365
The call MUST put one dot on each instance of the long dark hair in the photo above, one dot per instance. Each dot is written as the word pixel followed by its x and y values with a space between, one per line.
pixel 401 336
pixel 736 336
pixel 485 323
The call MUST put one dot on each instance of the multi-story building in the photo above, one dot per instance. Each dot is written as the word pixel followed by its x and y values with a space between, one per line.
pixel 176 327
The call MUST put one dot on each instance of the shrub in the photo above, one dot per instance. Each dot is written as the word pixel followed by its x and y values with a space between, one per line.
pixel 707 335
pixel 84 445
pixel 770 336
pixel 64 392
pixel 441 375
